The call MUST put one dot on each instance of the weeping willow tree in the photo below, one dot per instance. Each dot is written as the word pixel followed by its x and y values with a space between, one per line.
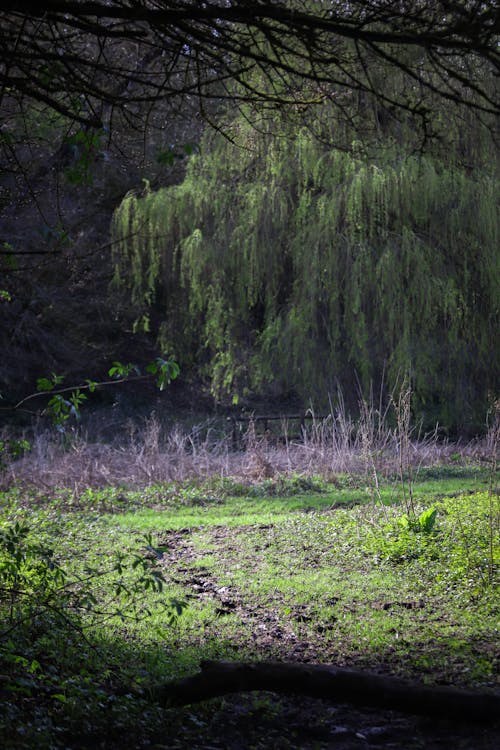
pixel 284 265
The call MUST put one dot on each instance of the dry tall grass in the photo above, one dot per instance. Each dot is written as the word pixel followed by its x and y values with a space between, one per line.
pixel 149 454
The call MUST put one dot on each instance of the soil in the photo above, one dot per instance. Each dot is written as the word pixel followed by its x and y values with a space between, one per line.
pixel 264 721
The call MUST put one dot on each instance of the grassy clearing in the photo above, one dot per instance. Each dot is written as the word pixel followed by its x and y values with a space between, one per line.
pixel 262 505
pixel 289 568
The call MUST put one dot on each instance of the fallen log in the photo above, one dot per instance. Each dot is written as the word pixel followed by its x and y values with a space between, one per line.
pixel 329 682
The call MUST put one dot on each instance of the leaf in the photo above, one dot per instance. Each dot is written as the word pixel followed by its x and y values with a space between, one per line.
pixel 427 519
pixel 404 522
pixel 142 324
pixel 34 666
pixel 167 157
pixel 166 369
pixel 44 384
pixel 117 370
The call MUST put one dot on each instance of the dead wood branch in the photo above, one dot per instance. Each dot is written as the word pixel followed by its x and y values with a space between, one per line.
pixel 329 682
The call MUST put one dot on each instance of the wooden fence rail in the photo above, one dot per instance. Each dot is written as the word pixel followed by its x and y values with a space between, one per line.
pixel 263 425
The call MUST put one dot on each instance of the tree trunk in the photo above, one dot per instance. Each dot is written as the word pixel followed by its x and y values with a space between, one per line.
pixel 331 683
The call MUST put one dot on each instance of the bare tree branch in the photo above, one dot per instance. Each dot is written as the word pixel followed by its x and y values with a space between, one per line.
pixel 78 56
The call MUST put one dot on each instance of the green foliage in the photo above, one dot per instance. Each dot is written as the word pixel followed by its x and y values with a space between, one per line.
pixel 33 583
pixel 48 384
pixel 407 537
pixel 89 632
pixel 465 547
pixel 164 370
pixel 59 408
pixel 142 324
pixel 120 370
pixel 423 523
pixel 473 543
pixel 66 401
pixel 29 575
pixel 12 449
pixel 285 264
pixel 57 598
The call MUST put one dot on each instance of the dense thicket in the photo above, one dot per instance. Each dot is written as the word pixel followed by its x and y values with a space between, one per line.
pixel 282 264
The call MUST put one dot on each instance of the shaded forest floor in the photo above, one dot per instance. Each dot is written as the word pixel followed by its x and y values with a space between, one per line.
pixel 262 721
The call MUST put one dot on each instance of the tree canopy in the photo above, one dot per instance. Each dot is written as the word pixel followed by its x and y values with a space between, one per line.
pixel 284 264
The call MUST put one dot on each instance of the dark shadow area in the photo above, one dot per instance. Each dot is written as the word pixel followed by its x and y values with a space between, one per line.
pixel 102 700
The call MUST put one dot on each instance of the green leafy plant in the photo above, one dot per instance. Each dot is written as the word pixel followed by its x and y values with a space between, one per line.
pixel 407 537
pixel 421 524
pixel 33 583
pixel 48 384
pixel 61 409
pixel 120 370
pixel 81 149
pixel 29 575
pixel 259 286
pixel 12 449
pixel 55 613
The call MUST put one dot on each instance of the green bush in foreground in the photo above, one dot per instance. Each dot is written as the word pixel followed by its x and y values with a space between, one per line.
pixel 54 668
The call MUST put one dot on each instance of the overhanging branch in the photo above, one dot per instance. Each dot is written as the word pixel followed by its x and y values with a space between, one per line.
pixel 83 48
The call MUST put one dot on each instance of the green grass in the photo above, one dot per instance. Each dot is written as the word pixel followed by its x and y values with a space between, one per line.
pixel 318 572
pixel 200 506
pixel 231 512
